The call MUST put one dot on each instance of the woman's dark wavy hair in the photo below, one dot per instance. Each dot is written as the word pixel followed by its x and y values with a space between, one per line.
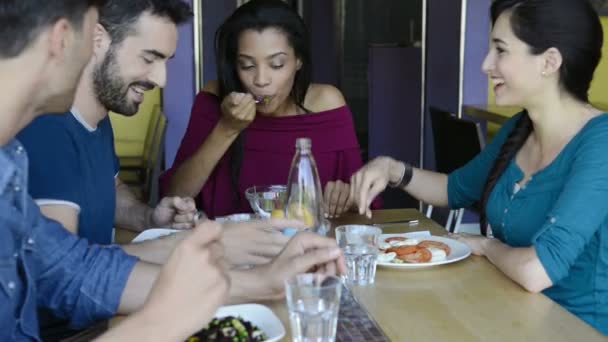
pixel 259 15
pixel 572 27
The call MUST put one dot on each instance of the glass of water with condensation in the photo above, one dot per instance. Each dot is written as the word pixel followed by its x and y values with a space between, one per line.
pixel 313 301
pixel 359 246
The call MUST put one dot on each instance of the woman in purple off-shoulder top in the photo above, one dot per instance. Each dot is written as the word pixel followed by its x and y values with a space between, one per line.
pixel 243 127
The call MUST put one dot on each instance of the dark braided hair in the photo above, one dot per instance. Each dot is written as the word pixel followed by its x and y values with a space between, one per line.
pixel 514 142
pixel 572 27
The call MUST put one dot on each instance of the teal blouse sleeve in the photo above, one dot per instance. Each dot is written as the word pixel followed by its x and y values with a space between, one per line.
pixel 580 209
pixel 466 183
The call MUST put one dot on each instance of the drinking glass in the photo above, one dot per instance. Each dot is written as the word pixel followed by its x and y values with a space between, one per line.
pixel 313 301
pixel 359 246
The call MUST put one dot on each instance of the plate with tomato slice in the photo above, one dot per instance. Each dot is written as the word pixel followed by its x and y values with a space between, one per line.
pixel 412 250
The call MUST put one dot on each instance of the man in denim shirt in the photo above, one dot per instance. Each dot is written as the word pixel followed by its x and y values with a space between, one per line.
pixel 44 46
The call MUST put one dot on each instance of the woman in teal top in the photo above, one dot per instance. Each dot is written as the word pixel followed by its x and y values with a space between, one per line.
pixel 542 183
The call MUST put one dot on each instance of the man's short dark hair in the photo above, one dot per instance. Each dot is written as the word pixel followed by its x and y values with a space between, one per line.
pixel 119 16
pixel 21 21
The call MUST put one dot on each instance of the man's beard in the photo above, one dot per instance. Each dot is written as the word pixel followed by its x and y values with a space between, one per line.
pixel 111 90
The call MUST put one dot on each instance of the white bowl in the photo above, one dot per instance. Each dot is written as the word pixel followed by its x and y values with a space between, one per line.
pixel 259 315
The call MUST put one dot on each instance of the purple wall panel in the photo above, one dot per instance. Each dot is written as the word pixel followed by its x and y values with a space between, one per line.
pixel 214 13
pixel 319 18
pixel 178 94
pixel 394 102
pixel 475 87
pixel 442 65
pixel 476 47
pixel 394 109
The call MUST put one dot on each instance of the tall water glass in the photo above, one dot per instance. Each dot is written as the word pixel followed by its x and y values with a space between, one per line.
pixel 359 246
pixel 313 301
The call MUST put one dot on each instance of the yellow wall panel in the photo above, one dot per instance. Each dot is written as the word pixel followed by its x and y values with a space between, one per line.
pixel 130 132
pixel 599 87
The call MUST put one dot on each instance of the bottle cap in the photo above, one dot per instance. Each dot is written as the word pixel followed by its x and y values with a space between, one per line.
pixel 303 143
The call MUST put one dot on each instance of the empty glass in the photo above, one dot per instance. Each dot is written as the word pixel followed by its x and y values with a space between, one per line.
pixel 266 200
pixel 313 301
pixel 359 246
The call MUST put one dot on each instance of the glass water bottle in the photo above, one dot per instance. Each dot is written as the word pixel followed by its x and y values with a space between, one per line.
pixel 304 195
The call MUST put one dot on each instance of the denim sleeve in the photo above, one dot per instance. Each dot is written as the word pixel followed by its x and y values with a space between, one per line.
pixel 76 281
pixel 581 208
pixel 466 183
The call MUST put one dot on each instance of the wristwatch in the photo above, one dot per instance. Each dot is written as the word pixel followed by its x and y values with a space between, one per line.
pixel 406 177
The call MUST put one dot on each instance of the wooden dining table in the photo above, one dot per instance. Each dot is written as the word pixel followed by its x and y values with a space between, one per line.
pixel 470 300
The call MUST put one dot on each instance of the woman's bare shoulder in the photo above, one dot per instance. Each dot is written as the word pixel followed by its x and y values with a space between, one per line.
pixel 323 97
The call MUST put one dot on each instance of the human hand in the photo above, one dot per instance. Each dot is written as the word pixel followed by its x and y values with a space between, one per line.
pixel 175 212
pixel 477 243
pixel 238 111
pixel 371 180
pixel 305 252
pixel 336 198
pixel 255 242
pixel 192 283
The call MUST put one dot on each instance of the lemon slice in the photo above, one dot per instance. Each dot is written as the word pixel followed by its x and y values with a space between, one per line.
pixel 300 212
pixel 277 214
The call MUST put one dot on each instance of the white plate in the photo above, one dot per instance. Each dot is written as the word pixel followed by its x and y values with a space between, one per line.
pixel 154 233
pixel 459 251
pixel 236 218
pixel 259 315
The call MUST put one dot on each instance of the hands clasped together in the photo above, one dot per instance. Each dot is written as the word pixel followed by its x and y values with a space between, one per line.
pixel 198 269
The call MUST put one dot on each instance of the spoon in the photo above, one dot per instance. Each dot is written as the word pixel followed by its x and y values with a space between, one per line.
pixel 262 99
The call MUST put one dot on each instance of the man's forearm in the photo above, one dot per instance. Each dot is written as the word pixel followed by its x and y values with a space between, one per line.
pixel 141 280
pixel 130 212
pixel 148 251
pixel 249 285
pixel 155 251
